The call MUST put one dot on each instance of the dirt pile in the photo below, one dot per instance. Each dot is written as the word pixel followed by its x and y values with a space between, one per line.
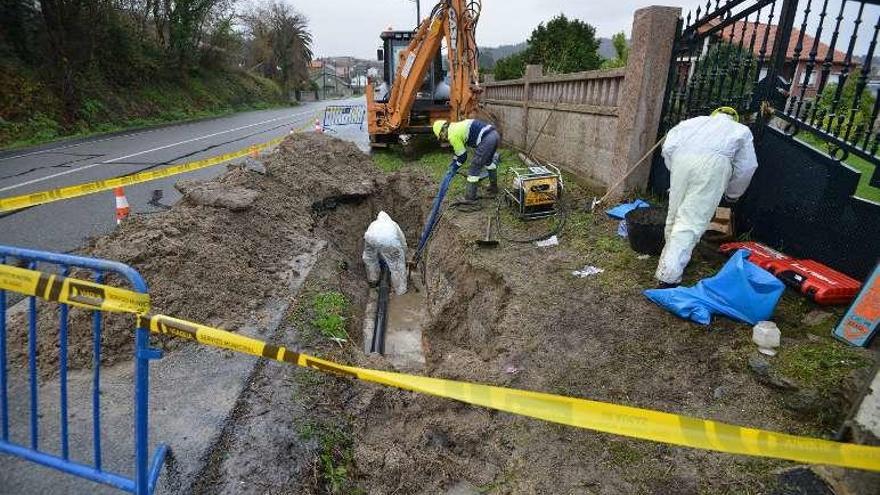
pixel 218 255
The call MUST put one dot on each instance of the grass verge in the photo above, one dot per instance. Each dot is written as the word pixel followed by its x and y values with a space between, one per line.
pixel 31 114
pixel 329 315
pixel 864 190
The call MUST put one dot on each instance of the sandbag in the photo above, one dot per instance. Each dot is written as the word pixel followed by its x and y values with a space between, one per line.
pixel 741 290
pixel 384 239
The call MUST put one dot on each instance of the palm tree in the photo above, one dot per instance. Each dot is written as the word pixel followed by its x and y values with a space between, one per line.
pixel 291 43
pixel 281 42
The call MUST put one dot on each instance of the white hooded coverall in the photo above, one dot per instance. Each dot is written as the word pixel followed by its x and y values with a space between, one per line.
pixel 707 157
pixel 385 240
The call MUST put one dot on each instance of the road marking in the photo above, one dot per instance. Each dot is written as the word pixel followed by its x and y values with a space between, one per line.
pixel 110 138
pixel 206 136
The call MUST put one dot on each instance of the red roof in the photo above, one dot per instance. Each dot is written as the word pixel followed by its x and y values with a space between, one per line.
pixel 741 30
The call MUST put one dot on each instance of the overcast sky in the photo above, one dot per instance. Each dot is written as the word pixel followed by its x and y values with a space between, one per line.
pixel 352 27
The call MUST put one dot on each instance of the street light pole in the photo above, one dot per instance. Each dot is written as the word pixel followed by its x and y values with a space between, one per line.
pixel 418 12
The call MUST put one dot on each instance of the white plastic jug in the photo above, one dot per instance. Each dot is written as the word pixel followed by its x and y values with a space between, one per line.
pixel 766 334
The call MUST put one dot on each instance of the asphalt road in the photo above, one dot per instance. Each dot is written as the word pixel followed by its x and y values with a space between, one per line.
pixel 65 225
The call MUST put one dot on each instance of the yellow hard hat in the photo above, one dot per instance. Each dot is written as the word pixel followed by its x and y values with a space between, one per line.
pixel 438 126
pixel 726 111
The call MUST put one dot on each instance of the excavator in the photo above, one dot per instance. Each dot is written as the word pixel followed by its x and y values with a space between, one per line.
pixel 418 87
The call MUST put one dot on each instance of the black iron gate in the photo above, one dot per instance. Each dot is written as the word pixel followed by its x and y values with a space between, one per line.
pixel 802 74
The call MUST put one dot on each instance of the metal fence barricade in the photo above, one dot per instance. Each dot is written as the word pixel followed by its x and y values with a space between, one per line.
pixel 344 115
pixel 145 471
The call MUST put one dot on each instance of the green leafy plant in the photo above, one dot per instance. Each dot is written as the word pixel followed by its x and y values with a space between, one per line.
pixel 841 118
pixel 329 308
pixel 621 50
pixel 561 45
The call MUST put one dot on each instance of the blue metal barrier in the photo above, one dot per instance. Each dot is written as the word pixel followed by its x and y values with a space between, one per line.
pixel 344 115
pixel 146 472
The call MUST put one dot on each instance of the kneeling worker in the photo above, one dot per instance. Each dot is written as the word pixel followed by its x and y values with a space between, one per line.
pixel 709 158
pixel 476 134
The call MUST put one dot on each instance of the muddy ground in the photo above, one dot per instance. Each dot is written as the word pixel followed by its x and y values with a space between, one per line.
pixel 512 316
pixel 208 263
pixel 515 316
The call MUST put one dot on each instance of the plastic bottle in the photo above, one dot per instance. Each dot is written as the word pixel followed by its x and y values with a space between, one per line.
pixel 766 334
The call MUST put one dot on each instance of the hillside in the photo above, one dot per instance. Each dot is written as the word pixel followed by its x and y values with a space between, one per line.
pixel 31 112
pixel 489 55
pixel 76 68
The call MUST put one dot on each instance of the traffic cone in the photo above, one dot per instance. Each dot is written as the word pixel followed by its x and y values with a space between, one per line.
pixel 122 208
pixel 318 127
pixel 255 152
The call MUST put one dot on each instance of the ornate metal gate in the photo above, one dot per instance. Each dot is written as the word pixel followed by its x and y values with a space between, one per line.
pixel 803 75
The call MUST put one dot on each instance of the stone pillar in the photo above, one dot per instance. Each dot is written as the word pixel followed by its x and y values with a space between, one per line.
pixel 864 428
pixel 533 72
pixel 640 100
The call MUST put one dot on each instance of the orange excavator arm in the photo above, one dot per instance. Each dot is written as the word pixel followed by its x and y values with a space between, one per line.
pixel 411 69
pixel 452 20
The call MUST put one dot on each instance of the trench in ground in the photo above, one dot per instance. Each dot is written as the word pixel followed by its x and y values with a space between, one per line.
pixel 431 314
pixel 514 317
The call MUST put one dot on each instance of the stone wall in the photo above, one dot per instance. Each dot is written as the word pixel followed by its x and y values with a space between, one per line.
pixel 574 114
pixel 594 123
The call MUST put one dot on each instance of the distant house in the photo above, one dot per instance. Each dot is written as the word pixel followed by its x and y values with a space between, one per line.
pixel 751 36
pixel 359 81
pixel 325 77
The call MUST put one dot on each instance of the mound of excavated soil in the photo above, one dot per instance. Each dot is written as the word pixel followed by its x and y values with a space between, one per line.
pixel 216 256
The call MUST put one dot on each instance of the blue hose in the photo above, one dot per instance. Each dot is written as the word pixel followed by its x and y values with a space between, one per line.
pixel 435 209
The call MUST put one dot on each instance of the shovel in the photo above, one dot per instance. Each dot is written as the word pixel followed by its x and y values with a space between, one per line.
pixel 598 201
pixel 488 242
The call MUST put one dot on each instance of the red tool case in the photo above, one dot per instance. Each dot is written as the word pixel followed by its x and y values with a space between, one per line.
pixel 759 254
pixel 820 283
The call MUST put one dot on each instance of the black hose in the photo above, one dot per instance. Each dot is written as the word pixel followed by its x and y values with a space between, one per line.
pixel 381 320
pixel 562 215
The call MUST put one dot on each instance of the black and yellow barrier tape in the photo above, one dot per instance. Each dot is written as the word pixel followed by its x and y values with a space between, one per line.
pixel 76 292
pixel 13 203
pixel 616 419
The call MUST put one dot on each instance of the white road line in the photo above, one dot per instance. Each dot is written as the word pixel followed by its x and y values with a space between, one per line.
pixel 91 165
pixel 93 141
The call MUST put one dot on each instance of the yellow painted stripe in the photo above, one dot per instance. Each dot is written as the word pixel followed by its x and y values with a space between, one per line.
pixel 616 419
pixel 13 203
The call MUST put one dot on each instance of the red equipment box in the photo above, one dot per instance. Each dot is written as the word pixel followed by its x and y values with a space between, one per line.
pixel 817 281
pixel 820 283
pixel 759 254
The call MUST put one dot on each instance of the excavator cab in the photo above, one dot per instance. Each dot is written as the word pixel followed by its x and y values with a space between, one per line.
pixel 432 99
pixel 429 74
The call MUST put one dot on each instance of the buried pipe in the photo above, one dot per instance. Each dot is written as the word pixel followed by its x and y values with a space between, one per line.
pixel 381 320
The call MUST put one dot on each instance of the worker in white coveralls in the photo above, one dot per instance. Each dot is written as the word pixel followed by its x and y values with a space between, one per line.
pixel 384 241
pixel 481 136
pixel 710 159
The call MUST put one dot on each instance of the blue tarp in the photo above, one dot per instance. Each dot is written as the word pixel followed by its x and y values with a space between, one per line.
pixel 741 290
pixel 620 211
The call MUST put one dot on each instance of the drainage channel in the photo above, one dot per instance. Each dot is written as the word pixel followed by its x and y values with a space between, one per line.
pixel 393 324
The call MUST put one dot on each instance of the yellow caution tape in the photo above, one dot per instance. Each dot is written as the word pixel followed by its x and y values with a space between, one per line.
pixel 633 422
pixel 600 416
pixel 13 203
pixel 75 292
